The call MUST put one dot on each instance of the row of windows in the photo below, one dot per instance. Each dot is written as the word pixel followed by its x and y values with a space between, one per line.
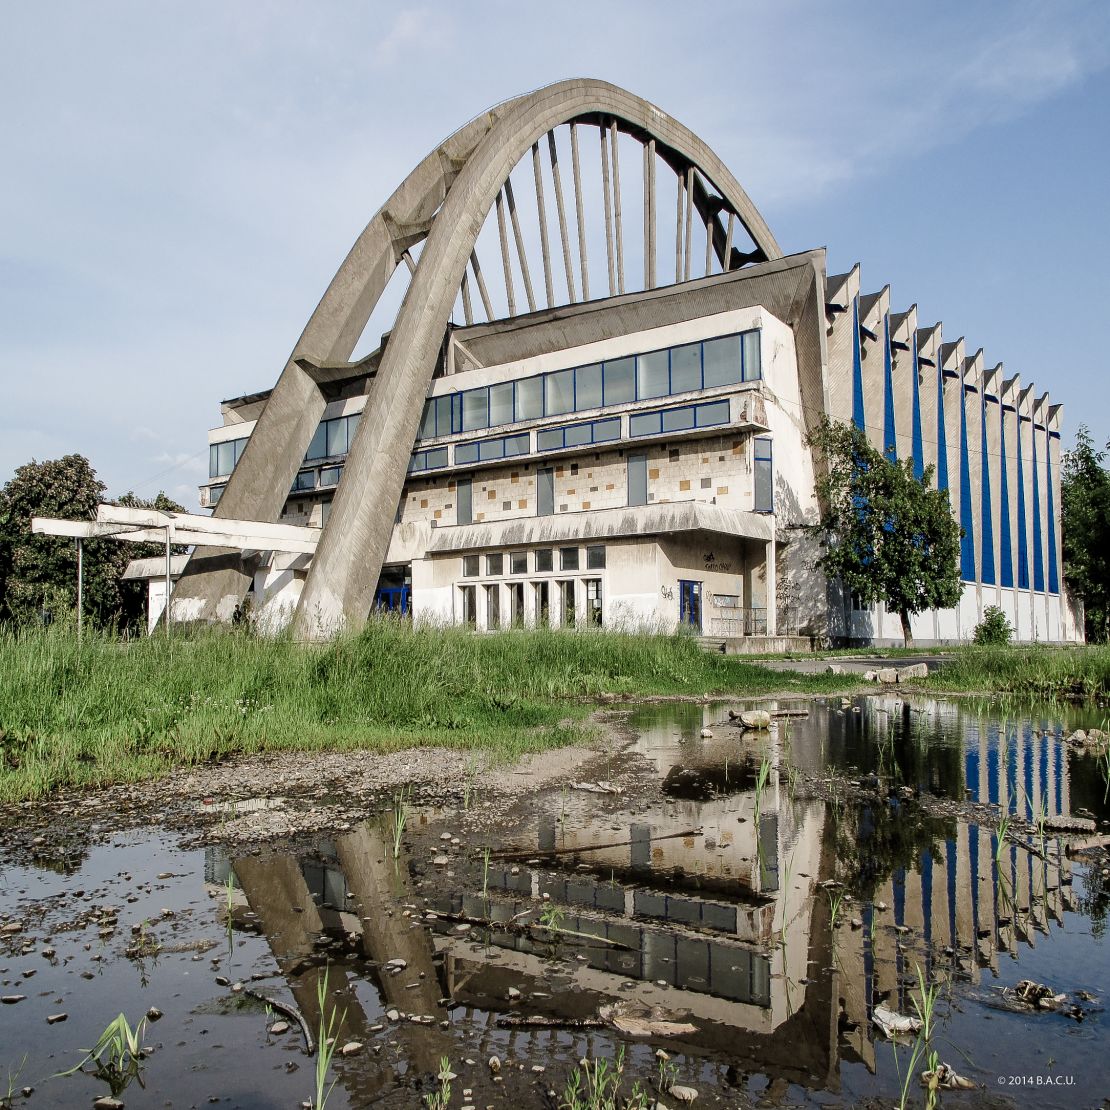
pixel 678 420
pixel 728 360
pixel 331 439
pixel 542 560
pixel 547 594
pixel 324 478
pixel 660 421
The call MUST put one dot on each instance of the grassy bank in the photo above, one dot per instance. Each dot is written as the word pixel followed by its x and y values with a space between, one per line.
pixel 103 711
pixel 1034 671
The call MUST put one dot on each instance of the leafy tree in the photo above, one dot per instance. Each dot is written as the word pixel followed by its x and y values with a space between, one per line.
pixel 1085 523
pixel 40 572
pixel 887 535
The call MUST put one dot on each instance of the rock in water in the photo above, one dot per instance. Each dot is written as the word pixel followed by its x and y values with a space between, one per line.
pixel 755 718
pixel 683 1094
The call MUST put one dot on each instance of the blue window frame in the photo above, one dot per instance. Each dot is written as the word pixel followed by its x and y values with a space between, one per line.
pixel 332 438
pixel 686 368
pixel 578 435
pixel 483 450
pixel 305 480
pixel 432 459
pixel 764 499
pixel 658 421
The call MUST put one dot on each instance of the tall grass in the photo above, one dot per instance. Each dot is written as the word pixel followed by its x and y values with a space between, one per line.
pixel 103 710
pixel 1035 671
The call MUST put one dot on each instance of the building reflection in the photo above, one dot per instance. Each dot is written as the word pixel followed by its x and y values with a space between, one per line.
pixel 729 927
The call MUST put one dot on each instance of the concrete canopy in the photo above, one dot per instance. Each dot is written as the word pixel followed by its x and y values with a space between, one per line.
pixel 443 203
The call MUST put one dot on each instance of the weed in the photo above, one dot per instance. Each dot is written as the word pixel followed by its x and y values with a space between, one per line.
pixel 439 1099
pixel 835 902
pixel 329 1023
pixel 399 821
pixel 595 1085
pixel 7 1100
pixel 1000 844
pixel 117 1054
pixel 485 871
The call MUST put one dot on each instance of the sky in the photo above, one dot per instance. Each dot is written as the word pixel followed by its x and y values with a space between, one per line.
pixel 179 182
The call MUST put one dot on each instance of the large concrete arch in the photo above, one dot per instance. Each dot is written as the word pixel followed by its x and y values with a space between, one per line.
pixel 444 202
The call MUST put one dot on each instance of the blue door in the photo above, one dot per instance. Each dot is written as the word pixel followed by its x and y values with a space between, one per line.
pixel 393 599
pixel 689 604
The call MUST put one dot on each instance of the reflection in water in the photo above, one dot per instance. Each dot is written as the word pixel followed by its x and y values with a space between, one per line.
pixel 731 925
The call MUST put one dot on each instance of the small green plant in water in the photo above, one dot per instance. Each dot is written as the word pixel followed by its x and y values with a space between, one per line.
pixel 117 1054
pixel 485 871
pixel 595 1085
pixel 1000 845
pixel 330 1021
pixel 8 1100
pixel 400 820
pixel 439 1099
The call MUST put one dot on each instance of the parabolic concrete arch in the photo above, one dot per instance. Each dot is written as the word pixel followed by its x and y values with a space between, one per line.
pixel 444 203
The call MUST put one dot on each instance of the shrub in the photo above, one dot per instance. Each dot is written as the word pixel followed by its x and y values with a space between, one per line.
pixel 994 628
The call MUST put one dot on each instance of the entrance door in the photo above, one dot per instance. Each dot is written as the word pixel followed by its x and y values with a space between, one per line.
pixel 689 604
pixel 393 599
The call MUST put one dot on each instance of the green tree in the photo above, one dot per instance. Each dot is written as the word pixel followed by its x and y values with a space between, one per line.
pixel 38 572
pixel 887 536
pixel 1085 524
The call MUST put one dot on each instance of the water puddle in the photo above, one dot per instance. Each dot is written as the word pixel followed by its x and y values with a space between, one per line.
pixel 747 902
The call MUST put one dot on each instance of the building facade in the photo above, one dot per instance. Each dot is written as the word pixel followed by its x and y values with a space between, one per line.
pixel 634 456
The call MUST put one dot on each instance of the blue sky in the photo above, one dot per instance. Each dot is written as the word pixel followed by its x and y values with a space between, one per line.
pixel 181 181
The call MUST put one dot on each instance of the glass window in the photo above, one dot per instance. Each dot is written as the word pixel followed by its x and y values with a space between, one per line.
pixel 225 458
pixel 595 557
pixel 213 460
pixel 722 361
pixel 475 409
pixel 544 559
pixel 678 420
pixel 550 439
pixel 517 445
pixel 764 499
pixel 352 427
pixel 568 558
pixel 605 430
pixel 587 387
pixel 518 562
pixel 558 393
pixel 593 601
pixel 652 377
pixel 493 607
pixel 215 493
pixel 469 606
pixel 337 437
pixel 578 434
pixel 435 458
pixel 318 446
pixel 428 421
pixel 620 381
pixel 753 368
pixel 491 449
pixel 240 447
pixel 466 453
pixel 714 413
pixel 500 404
pixel 306 479
pixel 644 424
pixel 529 398
pixel 637 480
pixel 567 591
pixel 470 566
pixel 545 491
pixel 330 475
pixel 495 564
pixel 464 502
pixel 443 416
pixel 686 368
